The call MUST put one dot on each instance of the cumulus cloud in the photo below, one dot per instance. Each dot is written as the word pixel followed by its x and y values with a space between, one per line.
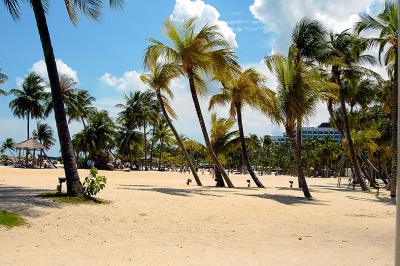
pixel 40 68
pixel 206 14
pixel 281 16
pixel 129 81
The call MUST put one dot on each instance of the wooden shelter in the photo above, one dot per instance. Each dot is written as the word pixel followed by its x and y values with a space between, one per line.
pixel 30 145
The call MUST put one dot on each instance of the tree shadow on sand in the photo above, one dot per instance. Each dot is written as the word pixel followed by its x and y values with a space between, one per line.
pixel 171 191
pixel 23 200
pixel 286 199
pixel 378 199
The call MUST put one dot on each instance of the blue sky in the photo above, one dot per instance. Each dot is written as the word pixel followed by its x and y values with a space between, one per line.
pixel 106 57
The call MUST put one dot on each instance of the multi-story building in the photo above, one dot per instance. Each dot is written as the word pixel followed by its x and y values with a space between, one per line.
pixel 311 132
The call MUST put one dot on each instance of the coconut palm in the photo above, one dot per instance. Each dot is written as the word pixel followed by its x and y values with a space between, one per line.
pixel 164 135
pixel 344 54
pixel 8 145
pixel 196 52
pixel 129 143
pixel 44 134
pixel 91 9
pixel 29 100
pixel 294 103
pixel 387 41
pixel 222 139
pixel 3 78
pixel 245 89
pixel 159 79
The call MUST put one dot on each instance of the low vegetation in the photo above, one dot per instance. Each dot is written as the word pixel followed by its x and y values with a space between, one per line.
pixel 9 219
pixel 64 198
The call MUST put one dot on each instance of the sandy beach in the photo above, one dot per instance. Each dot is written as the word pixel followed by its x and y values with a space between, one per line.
pixel 156 219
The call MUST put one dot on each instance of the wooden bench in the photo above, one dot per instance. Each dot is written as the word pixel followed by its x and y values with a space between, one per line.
pixel 60 181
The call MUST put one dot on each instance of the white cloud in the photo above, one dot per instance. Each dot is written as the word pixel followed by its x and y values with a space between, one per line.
pixel 206 14
pixel 63 69
pixel 129 81
pixel 281 16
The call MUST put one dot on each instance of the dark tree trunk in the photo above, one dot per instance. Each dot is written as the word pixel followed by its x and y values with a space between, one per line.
pixel 83 122
pixel 346 128
pixel 145 147
pixel 299 167
pixel 74 186
pixel 394 114
pixel 160 158
pixel 244 148
pixel 178 139
pixel 218 178
pixel 152 147
pixel 28 125
pixel 204 130
pixel 298 143
pixel 333 118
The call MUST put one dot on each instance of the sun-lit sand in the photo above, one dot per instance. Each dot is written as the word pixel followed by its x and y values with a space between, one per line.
pixel 155 219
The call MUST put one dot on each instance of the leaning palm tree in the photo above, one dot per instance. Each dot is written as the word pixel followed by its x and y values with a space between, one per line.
pixel 344 54
pixel 44 134
pixel 91 9
pixel 387 41
pixel 196 52
pixel 28 101
pixel 158 79
pixel 292 104
pixel 246 89
pixel 8 145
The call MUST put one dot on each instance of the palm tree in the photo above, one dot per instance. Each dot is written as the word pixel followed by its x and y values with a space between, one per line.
pixel 8 144
pixel 158 79
pixel 28 101
pixel 3 78
pixel 195 52
pixel 387 41
pixel 44 134
pixel 91 9
pixel 164 135
pixel 293 103
pixel 222 139
pixel 78 103
pixel 128 143
pixel 246 89
pixel 344 54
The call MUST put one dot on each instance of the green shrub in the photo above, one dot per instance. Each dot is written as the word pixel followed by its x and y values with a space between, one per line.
pixel 93 183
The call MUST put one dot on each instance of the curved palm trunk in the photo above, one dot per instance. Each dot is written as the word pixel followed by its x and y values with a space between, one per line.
pixel 299 167
pixel 178 139
pixel 298 143
pixel 394 114
pixel 346 128
pixel 333 118
pixel 204 131
pixel 74 186
pixel 244 148
pixel 28 125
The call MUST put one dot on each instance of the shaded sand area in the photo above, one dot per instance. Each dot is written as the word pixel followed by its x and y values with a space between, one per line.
pixel 155 219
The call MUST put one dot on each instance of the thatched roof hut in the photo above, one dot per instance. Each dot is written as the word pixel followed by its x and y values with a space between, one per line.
pixel 30 144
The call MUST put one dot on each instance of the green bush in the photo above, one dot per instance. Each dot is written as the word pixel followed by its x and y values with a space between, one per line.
pixel 93 183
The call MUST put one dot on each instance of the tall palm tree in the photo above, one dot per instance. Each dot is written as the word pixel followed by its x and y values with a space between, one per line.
pixel 8 145
pixel 159 79
pixel 293 103
pixel 91 9
pixel 44 134
pixel 128 142
pixel 387 41
pixel 222 139
pixel 196 52
pixel 28 101
pixel 3 78
pixel 245 89
pixel 344 54
pixel 164 135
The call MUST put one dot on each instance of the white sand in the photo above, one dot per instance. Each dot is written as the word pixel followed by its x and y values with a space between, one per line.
pixel 155 219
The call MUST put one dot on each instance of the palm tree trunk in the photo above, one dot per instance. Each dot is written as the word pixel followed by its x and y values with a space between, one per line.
pixel 298 143
pixel 333 118
pixel 74 186
pixel 394 114
pixel 83 122
pixel 218 178
pixel 178 139
pixel 152 147
pixel 204 130
pixel 145 147
pixel 299 167
pixel 160 158
pixel 244 148
pixel 346 129
pixel 27 125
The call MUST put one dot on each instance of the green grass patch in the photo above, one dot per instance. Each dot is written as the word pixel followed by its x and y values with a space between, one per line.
pixel 9 219
pixel 64 198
